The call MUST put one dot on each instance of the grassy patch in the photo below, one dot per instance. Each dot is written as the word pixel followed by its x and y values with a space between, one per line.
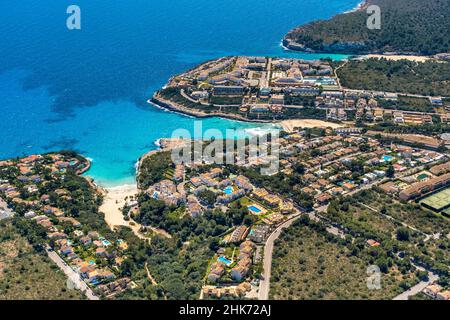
pixel 26 274
pixel 307 265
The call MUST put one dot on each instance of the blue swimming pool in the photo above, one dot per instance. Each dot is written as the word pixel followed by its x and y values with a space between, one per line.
pixel 387 158
pixel 254 209
pixel 224 260
pixel 228 190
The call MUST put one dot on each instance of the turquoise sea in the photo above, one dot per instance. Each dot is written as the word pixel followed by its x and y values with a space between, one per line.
pixel 87 89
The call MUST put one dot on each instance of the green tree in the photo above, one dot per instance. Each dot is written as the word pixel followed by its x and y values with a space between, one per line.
pixel 390 172
pixel 403 234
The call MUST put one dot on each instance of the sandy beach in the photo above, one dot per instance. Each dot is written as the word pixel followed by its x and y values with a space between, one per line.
pixel 398 57
pixel 289 125
pixel 113 202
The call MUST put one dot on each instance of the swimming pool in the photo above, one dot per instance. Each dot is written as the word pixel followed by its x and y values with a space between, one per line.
pixel 387 158
pixel 224 260
pixel 254 209
pixel 228 190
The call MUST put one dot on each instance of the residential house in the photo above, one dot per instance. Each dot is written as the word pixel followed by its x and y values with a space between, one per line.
pixel 239 234
pixel 217 270
pixel 432 290
pixel 241 270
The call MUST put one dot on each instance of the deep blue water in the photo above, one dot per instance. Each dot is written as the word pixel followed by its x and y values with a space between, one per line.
pixel 87 89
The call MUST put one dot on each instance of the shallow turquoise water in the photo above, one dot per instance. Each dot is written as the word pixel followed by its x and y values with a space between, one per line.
pixel 87 90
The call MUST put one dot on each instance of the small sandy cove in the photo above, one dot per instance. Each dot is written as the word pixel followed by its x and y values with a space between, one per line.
pixel 114 200
pixel 113 203
pixel 398 57
pixel 289 125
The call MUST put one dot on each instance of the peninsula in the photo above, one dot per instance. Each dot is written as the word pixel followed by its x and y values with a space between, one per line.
pixel 417 27
pixel 320 93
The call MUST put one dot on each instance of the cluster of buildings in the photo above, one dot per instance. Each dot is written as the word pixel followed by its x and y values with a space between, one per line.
pixel 329 164
pixel 275 88
pixel 272 201
pixel 214 292
pixel 422 188
pixel 231 272
pixel 411 118
pixel 436 292
pixel 418 184
pixel 23 177
pixel 226 188
pixel 25 186
pixel 166 190
pixel 256 86
pixel 244 261
pixel 88 254
pixel 238 235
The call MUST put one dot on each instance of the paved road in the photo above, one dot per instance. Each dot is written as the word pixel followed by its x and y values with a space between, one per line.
pixel 264 284
pixel 417 288
pixel 265 79
pixel 315 215
pixel 398 93
pixel 72 275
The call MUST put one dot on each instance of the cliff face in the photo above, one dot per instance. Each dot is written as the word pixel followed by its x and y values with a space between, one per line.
pixel 407 26
pixel 343 47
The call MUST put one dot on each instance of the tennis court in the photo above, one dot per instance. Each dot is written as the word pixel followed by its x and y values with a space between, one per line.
pixel 438 201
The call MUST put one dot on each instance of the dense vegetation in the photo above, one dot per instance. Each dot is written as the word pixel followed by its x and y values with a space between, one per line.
pixel 178 263
pixel 310 263
pixel 25 270
pixel 429 78
pixel 425 129
pixel 408 104
pixel 153 168
pixel 419 26
pixel 364 216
